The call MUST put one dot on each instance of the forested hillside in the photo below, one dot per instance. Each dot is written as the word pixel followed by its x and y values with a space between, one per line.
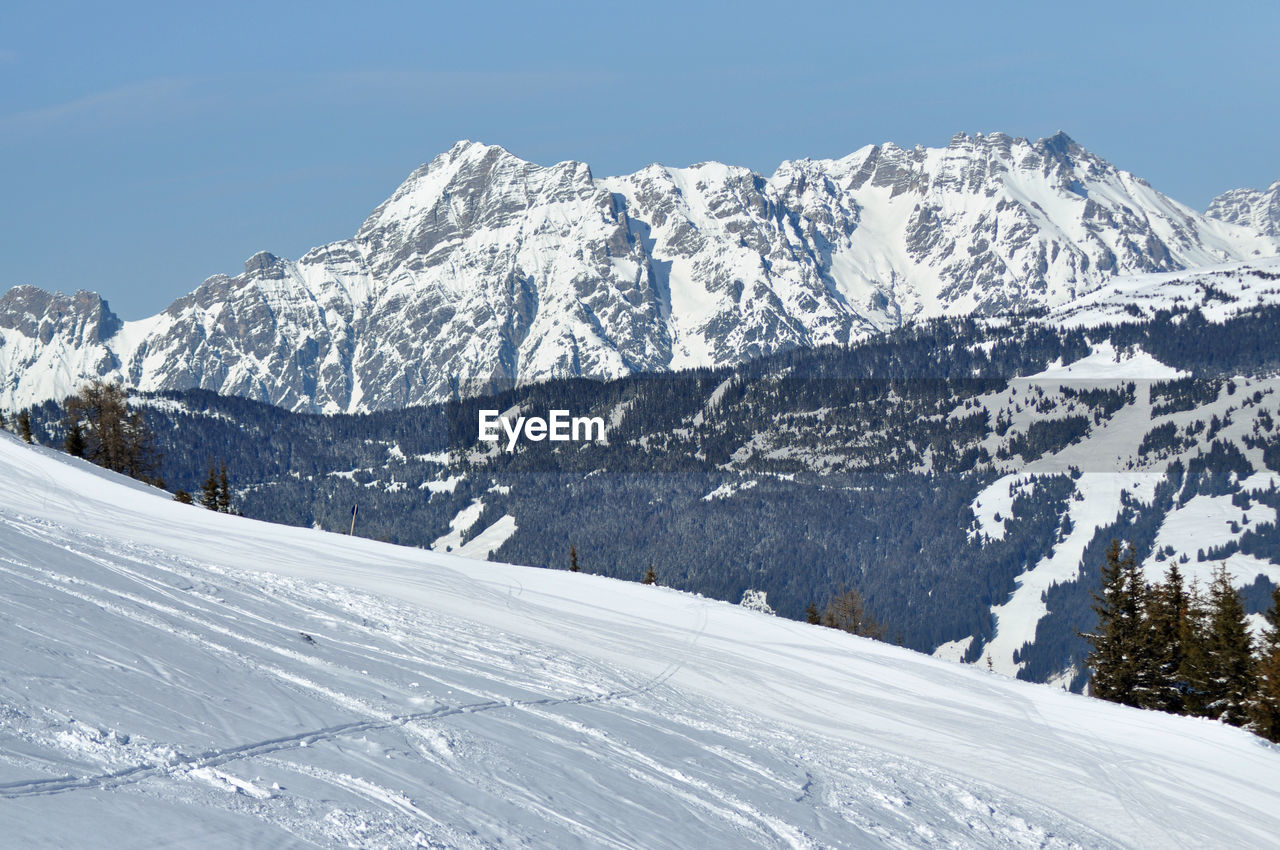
pixel 964 475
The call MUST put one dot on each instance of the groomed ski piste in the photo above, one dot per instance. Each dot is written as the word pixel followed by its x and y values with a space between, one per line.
pixel 170 676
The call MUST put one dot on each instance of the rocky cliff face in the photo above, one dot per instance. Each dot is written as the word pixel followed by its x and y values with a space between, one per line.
pixel 1258 211
pixel 51 342
pixel 484 270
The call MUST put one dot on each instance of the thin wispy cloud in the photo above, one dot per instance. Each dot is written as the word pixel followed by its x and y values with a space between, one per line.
pixel 100 110
pixel 171 98
pixel 443 86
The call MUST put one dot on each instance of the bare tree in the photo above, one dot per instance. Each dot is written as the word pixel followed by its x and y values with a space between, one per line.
pixel 112 434
pixel 846 611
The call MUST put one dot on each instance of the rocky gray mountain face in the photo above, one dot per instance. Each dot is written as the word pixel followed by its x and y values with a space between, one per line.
pixel 483 270
pixel 1259 211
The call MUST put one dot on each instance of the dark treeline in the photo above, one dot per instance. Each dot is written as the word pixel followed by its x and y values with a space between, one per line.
pixel 801 474
pixel 1166 646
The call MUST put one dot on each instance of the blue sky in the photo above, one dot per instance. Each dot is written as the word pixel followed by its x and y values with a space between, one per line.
pixel 147 146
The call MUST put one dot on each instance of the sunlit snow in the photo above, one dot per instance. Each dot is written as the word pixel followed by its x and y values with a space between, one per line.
pixel 170 675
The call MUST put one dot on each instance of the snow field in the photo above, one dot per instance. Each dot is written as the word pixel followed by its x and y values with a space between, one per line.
pixel 173 675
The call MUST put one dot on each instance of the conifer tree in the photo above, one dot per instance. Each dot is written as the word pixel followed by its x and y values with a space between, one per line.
pixel 811 615
pixel 24 426
pixel 182 496
pixel 140 454
pixel 209 490
pixel 1232 684
pixel 1119 641
pixel 573 559
pixel 73 444
pixel 650 577
pixel 224 491
pixel 1160 661
pixel 1195 672
pixel 1264 710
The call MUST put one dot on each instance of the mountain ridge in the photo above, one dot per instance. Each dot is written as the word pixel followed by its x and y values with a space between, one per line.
pixel 1257 209
pixel 483 270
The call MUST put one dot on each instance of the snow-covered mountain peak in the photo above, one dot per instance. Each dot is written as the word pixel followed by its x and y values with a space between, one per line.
pixel 471 187
pixel 263 262
pixel 1257 210
pixel 483 269
pixel 83 317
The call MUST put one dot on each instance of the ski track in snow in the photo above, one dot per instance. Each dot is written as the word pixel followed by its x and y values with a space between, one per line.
pixel 171 675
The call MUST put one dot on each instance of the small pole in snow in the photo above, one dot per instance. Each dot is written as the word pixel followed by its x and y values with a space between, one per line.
pixel 354 508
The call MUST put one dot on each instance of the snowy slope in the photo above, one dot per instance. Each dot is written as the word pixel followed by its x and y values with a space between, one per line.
pixel 1220 291
pixel 1109 466
pixel 171 675
pixel 483 270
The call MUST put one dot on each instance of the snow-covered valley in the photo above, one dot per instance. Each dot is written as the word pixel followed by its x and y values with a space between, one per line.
pixel 175 676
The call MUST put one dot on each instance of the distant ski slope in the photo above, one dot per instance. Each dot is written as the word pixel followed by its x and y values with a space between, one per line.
pixel 171 675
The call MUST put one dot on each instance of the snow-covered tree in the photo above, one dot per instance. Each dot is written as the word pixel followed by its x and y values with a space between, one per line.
pixel 1231 684
pixel 1118 641
pixel 756 600
pixel 1264 710
pixel 1159 679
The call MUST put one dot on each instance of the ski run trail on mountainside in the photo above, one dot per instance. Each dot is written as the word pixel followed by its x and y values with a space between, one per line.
pixel 173 676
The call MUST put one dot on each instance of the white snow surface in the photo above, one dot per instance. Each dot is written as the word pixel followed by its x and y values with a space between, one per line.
pixel 458 526
pixel 1105 363
pixel 1100 502
pixel 173 676
pixel 1109 464
pixel 1220 290
pixel 479 546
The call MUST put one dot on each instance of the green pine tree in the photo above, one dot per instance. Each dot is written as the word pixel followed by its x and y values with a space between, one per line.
pixel 573 559
pixel 811 615
pixel 73 444
pixel 1264 709
pixel 1119 641
pixel 209 490
pixel 1231 683
pixel 1160 662
pixel 24 426
pixel 224 491
pixel 650 577
pixel 1195 672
